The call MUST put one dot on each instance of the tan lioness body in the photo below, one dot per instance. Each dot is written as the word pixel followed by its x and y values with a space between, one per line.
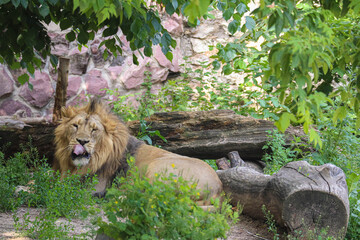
pixel 92 139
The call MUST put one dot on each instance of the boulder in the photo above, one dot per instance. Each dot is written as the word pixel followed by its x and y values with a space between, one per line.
pixel 74 85
pixel 95 83
pixel 6 83
pixel 11 107
pixel 42 90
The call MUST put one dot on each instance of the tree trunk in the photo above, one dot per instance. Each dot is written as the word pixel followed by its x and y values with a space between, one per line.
pixel 211 134
pixel 61 87
pixel 300 196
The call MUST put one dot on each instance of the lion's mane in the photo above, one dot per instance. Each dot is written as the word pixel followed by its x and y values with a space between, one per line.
pixel 109 151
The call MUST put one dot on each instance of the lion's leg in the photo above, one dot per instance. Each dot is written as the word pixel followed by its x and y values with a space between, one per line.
pixel 100 188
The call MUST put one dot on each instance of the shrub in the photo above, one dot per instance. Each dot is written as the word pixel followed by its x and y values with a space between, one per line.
pixel 277 153
pixel 13 172
pixel 163 209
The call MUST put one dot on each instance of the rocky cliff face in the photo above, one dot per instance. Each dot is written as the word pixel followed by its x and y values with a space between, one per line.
pixel 90 74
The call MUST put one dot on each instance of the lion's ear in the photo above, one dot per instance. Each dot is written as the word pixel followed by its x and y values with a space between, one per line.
pixel 67 112
pixel 95 106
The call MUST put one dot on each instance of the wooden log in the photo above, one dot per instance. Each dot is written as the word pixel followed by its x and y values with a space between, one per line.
pixel 15 132
pixel 61 87
pixel 206 135
pixel 301 197
pixel 235 159
pixel 222 163
pixel 211 134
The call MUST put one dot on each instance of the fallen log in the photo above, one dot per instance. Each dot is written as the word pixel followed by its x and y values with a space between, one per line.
pixel 206 134
pixel 211 134
pixel 301 197
pixel 16 132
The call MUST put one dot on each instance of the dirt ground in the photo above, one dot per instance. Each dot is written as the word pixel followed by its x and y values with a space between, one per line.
pixel 246 229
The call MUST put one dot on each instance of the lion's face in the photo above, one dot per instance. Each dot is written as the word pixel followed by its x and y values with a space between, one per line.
pixel 84 133
pixel 88 138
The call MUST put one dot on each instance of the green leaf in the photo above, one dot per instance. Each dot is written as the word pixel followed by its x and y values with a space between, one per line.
pixel 135 60
pixel 239 64
pixel 44 10
pixel 284 121
pixel 83 37
pixel 136 26
pixel 279 25
pixel 233 26
pixel 53 60
pixel 216 64
pixel 65 24
pixel 156 24
pixel 241 8
pixel 30 86
pixel 315 137
pixel 24 3
pixel 228 13
pixel 290 18
pixel 227 69
pixel 53 2
pixel 148 51
pixel 230 55
pixel 16 3
pixel 195 9
pixel 23 78
pixel 4 2
pixel 339 114
pixel 250 23
pixel 70 36
pixel 128 9
pixel 169 56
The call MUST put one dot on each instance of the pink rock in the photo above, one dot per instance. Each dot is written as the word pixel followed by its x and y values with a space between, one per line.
pixel 97 55
pixel 79 60
pixel 125 44
pixel 163 61
pixel 42 92
pixel 115 72
pixel 95 83
pixel 6 83
pixel 74 84
pixel 11 107
pixel 17 73
pixel 79 100
pixel 173 25
pixel 60 46
pixel 135 75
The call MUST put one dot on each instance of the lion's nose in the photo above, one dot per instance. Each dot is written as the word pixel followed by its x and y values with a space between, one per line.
pixel 82 141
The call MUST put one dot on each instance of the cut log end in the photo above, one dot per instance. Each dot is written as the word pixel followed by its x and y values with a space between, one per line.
pixel 306 211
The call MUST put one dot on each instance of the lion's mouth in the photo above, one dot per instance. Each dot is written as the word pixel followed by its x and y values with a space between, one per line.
pixel 79 155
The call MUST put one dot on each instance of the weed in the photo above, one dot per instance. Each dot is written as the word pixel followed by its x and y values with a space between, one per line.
pixel 277 154
pixel 270 221
pixel 162 209
pixel 212 163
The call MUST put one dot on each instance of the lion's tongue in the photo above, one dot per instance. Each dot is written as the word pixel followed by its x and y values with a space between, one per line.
pixel 79 149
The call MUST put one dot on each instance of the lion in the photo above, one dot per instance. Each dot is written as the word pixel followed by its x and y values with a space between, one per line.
pixel 91 139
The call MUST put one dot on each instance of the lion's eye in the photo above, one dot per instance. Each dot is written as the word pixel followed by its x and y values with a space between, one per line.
pixel 75 125
pixel 94 130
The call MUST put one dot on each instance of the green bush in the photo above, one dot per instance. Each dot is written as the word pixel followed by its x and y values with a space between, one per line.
pixel 14 171
pixel 68 197
pixel 277 153
pixel 197 90
pixel 163 209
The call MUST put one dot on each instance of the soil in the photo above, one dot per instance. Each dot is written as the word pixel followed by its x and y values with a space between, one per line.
pixel 246 229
